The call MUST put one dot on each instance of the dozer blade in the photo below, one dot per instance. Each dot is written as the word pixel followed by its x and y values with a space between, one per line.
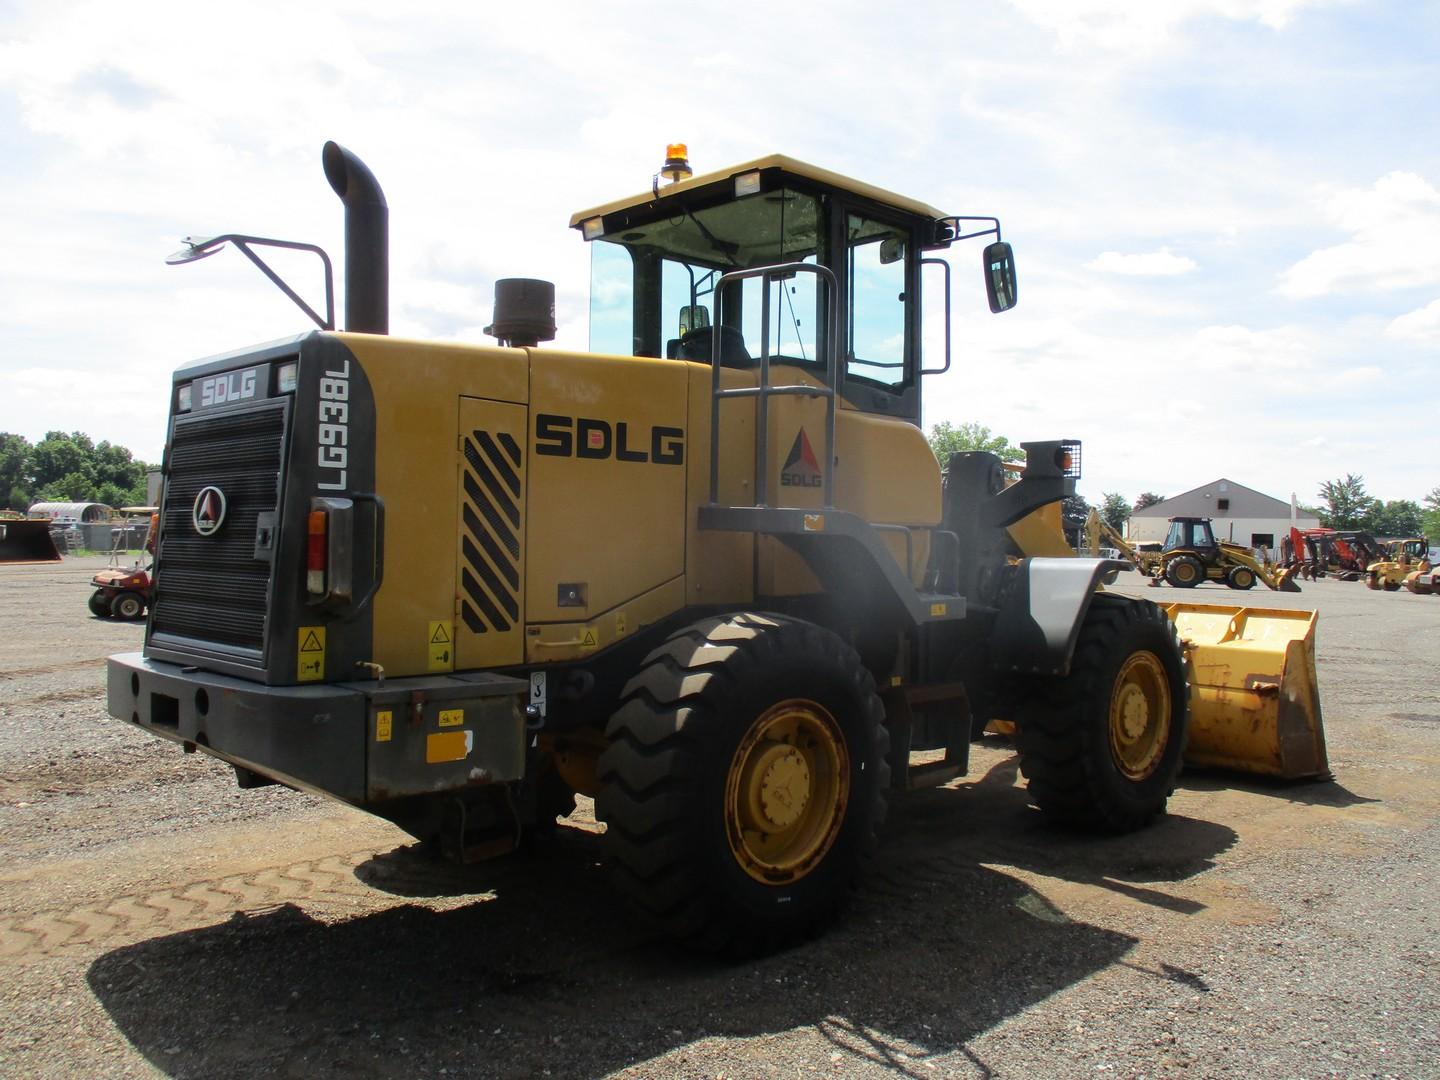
pixel 27 541
pixel 1255 700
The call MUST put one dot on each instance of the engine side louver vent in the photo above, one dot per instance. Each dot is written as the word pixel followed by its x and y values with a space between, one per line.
pixel 490 537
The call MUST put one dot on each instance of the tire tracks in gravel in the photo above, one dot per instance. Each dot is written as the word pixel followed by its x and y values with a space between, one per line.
pixel 125 919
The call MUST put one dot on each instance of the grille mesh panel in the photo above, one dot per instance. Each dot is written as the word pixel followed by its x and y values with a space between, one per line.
pixel 212 588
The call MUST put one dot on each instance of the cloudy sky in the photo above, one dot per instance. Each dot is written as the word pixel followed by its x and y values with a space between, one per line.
pixel 1226 213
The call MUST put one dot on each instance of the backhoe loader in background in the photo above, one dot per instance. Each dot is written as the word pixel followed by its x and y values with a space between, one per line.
pixel 1097 531
pixel 709 573
pixel 1192 554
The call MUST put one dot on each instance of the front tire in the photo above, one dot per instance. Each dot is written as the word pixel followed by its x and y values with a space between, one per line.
pixel 745 781
pixel 1102 746
pixel 1240 577
pixel 1185 572
pixel 99 605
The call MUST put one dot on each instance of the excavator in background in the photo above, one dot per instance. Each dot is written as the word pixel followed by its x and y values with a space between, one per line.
pixel 1190 555
pixel 1399 560
pixel 709 573
pixel 1344 554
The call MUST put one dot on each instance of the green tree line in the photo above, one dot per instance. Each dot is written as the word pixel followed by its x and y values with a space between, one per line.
pixel 68 467
pixel 1346 505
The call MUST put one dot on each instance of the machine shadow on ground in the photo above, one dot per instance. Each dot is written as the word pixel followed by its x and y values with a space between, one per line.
pixel 536 953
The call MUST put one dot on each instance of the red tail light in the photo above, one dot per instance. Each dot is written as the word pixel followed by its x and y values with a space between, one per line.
pixel 316 552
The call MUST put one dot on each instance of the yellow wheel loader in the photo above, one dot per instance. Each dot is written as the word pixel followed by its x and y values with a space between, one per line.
pixel 709 572
pixel 1404 559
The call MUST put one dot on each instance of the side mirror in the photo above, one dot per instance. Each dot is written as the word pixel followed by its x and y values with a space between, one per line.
pixel 1000 286
pixel 892 250
pixel 693 317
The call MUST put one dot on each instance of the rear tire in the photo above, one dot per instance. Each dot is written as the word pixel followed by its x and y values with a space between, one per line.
pixel 99 605
pixel 1240 577
pixel 1102 746
pixel 745 781
pixel 129 606
pixel 1185 572
pixel 1372 580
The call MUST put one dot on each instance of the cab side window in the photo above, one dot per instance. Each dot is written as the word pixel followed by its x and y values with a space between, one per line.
pixel 876 330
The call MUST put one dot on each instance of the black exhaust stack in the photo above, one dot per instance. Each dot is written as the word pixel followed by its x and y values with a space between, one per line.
pixel 367 241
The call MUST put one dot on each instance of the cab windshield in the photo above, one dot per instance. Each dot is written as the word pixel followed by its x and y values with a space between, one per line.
pixel 653 286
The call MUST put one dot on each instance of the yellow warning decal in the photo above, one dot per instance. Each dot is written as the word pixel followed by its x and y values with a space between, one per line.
pixel 936 610
pixel 452 717
pixel 382 725
pixel 620 624
pixel 814 522
pixel 588 641
pixel 441 642
pixel 310 654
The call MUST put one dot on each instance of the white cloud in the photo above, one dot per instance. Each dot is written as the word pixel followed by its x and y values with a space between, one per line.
pixel 1154 264
pixel 1421 326
pixel 1122 26
pixel 1394 242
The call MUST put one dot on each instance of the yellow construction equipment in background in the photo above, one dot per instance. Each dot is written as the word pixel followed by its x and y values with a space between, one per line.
pixel 1403 560
pixel 1192 555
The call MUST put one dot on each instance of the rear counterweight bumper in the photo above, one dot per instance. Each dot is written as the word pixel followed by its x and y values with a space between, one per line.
pixel 364 743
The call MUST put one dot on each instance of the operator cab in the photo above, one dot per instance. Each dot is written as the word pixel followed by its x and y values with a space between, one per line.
pixel 1190 534
pixel 657 259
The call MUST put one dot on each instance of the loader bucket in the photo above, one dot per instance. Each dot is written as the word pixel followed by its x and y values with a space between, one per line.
pixel 1285 580
pixel 27 541
pixel 1254 697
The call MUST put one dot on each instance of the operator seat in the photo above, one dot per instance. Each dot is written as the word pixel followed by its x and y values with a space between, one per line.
pixel 695 346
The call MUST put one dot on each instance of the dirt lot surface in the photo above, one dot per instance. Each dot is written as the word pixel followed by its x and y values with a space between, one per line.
pixel 158 921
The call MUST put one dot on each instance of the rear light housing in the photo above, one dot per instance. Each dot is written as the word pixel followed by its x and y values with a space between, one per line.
pixel 330 551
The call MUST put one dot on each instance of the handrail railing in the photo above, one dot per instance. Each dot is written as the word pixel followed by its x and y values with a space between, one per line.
pixel 764 391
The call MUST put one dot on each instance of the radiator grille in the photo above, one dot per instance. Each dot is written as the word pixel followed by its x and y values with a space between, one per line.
pixel 212 588
pixel 490 539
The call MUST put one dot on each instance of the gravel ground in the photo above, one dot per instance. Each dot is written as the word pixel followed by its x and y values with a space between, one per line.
pixel 158 921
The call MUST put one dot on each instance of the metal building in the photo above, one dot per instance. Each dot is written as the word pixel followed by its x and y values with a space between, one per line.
pixel 72 513
pixel 1239 514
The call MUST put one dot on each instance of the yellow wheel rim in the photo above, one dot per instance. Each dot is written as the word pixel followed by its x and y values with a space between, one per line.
pixel 1185 571
pixel 1139 715
pixel 786 792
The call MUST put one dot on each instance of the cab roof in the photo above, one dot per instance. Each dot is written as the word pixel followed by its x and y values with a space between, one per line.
pixel 773 161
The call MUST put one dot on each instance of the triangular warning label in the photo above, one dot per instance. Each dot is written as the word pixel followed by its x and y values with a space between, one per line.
pixel 439 637
pixel 589 640
pixel 311 643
